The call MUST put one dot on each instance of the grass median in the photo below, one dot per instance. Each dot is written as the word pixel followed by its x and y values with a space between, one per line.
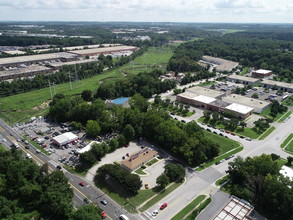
pixel 284 117
pixel 267 133
pixel 180 215
pixel 196 212
pixel 287 140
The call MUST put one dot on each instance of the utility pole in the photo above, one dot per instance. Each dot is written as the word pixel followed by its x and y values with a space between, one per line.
pixel 69 75
pixel 54 87
pixel 50 89
pixel 76 77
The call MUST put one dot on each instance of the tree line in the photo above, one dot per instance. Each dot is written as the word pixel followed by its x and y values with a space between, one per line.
pixel 31 192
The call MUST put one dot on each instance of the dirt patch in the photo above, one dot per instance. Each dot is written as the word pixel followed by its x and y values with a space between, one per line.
pixel 42 106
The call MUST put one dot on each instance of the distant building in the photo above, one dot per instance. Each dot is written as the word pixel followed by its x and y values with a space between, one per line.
pixel 65 138
pixel 239 111
pixel 206 92
pixel 222 64
pixel 243 79
pixel 123 101
pixel 261 73
pixel 138 159
pixel 286 87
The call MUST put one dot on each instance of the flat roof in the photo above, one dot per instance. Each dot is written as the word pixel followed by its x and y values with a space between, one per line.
pixel 88 147
pixel 235 209
pixel 204 99
pixel 14 52
pixel 262 71
pixel 188 95
pixel 102 50
pixel 59 64
pixel 65 138
pixel 204 91
pixel 138 158
pixel 277 83
pixel 239 108
pixel 219 103
pixel 30 58
pixel 223 65
pixel 287 172
pixel 251 102
pixel 243 78
pixel 29 69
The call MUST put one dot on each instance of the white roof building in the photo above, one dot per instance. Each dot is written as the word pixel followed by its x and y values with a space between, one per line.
pixel 65 138
pixel 204 99
pixel 87 147
pixel 262 71
pixel 242 109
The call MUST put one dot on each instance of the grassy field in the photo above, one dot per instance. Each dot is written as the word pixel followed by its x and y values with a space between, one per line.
pixel 180 215
pixel 196 212
pixel 244 71
pixel 267 133
pixel 226 144
pixel 140 171
pixel 155 160
pixel 209 83
pixel 267 114
pixel 2 148
pixel 283 118
pixel 21 107
pixel 287 140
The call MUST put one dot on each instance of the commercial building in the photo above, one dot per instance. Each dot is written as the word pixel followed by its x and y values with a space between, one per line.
pixel 261 73
pixel 65 138
pixel 59 65
pixel 102 50
pixel 239 111
pixel 222 64
pixel 206 92
pixel 138 159
pixel 286 87
pixel 258 105
pixel 29 71
pixel 87 147
pixel 243 79
pixel 36 59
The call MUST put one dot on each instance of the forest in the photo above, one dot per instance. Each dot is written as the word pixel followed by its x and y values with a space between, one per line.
pixel 31 192
pixel 265 50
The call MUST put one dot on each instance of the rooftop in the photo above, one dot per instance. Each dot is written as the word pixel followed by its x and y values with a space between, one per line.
pixel 59 64
pixel 30 58
pixel 219 103
pixel 206 92
pixel 204 99
pixel 243 78
pixel 14 52
pixel 262 71
pixel 188 95
pixel 239 108
pixel 138 158
pixel 277 83
pixel 102 50
pixel 87 147
pixel 223 65
pixel 29 69
pixel 254 103
pixel 65 138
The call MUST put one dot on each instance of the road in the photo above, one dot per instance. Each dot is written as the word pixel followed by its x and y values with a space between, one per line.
pixel 196 183
pixel 89 191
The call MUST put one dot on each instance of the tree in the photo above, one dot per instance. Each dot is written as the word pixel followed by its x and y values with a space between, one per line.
pixel 87 95
pixel 87 212
pixel 275 157
pixel 290 160
pixel 138 101
pixel 175 172
pixel 207 114
pixel 121 140
pixel 162 180
pixel 254 95
pixel 92 128
pixel 76 125
pixel 128 133
pixel 133 183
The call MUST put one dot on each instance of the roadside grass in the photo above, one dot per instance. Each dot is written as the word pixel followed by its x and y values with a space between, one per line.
pixel 80 170
pixel 221 157
pixel 208 83
pixel 244 71
pixel 35 145
pixel 281 161
pixel 283 118
pixel 287 140
pixel 196 212
pixel 226 144
pixel 2 148
pixel 222 180
pixel 23 106
pixel 180 215
pixel 140 171
pixel 160 196
pixel 267 111
pixel 288 102
pixel 247 132
pixel 267 133
pixel 151 162
pixel 289 147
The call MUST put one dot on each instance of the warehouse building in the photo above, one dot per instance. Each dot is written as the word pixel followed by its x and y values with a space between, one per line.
pixel 242 79
pixel 65 138
pixel 59 65
pixel 286 87
pixel 261 73
pixel 258 105
pixel 206 92
pixel 29 71
pixel 102 50
pixel 36 59
pixel 239 111
pixel 222 64
pixel 138 159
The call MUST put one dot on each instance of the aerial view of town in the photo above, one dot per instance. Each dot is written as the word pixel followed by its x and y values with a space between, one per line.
pixel 146 110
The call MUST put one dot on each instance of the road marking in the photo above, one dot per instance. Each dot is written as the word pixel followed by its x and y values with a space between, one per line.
pixel 1 129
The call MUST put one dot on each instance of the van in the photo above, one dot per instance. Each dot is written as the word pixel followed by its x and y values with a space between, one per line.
pixel 123 217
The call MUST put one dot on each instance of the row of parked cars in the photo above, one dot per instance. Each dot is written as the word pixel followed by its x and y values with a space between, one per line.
pixel 223 160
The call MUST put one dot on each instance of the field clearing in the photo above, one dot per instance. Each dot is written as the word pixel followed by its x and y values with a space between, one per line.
pixel 23 106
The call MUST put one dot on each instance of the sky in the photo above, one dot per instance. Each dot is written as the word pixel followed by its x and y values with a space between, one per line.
pixel 226 11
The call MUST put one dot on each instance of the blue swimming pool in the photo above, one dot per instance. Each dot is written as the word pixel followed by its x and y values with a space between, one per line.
pixel 120 101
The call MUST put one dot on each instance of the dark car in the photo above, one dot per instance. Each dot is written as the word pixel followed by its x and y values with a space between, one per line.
pixel 27 146
pixel 208 130
pixel 104 202
pixel 82 184
pixel 241 136
pixel 217 163
pixel 86 201
pixel 59 167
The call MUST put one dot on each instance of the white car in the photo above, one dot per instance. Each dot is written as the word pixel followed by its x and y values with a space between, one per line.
pixel 155 213
pixel 28 156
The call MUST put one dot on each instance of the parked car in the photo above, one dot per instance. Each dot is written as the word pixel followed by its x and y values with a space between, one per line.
pixel 217 163
pixel 44 145
pixel 28 156
pixel 163 206
pixel 241 136
pixel 155 213
pixel 104 202
pixel 27 146
pixel 104 215
pixel 82 184
pixel 248 139
pixel 146 186
pixel 58 167
pixel 86 201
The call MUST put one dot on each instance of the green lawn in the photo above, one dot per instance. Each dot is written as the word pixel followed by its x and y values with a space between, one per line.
pixel 140 171
pixel 288 101
pixel 222 180
pixel 266 113
pixel 160 196
pixel 180 215
pixel 151 162
pixel 244 71
pixel 209 83
pixel 289 147
pixel 282 161
pixel 267 133
pixel 282 119
pixel 226 144
pixel 287 140
pixel 2 148
pixel 196 212
pixel 21 107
